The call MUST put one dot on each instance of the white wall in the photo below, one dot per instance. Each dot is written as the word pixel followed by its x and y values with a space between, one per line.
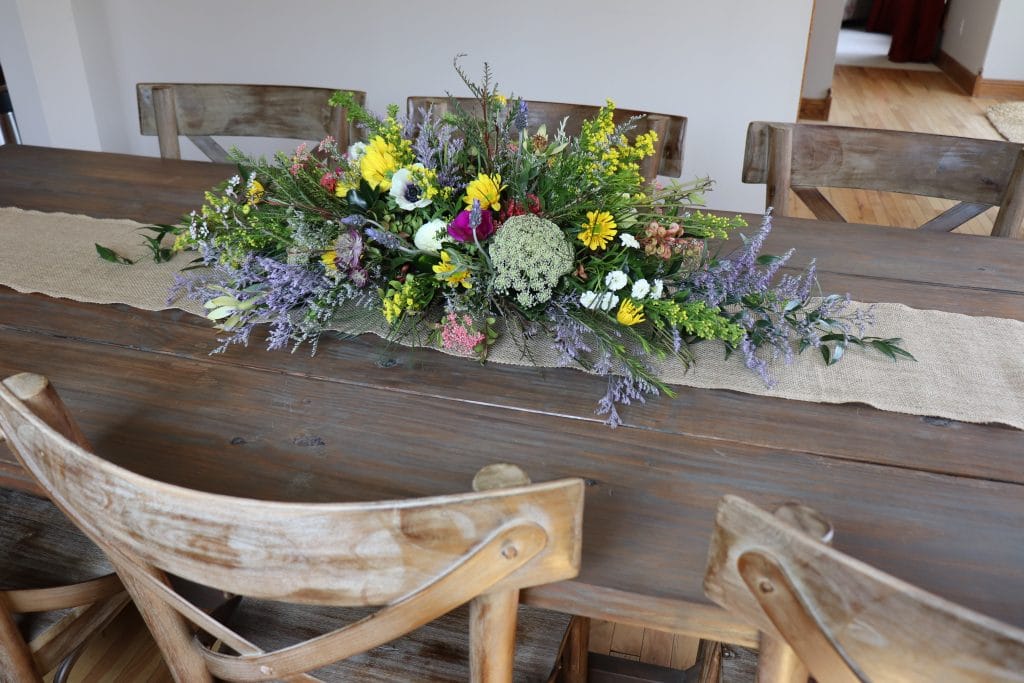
pixel 968 27
pixel 821 48
pixel 1005 57
pixel 721 63
pixel 42 60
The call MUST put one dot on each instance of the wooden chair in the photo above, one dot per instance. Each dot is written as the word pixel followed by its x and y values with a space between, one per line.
pixel 302 564
pixel 802 157
pixel 671 129
pixel 199 110
pixel 847 621
pixel 56 587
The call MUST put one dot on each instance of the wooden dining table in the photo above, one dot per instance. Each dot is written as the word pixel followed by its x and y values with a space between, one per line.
pixel 936 502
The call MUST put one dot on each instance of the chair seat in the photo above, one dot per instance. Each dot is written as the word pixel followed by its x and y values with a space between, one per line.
pixel 438 651
pixel 40 547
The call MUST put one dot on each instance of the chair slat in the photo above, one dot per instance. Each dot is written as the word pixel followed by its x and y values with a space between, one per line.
pixel 978 173
pixel 955 216
pixel 819 205
pixel 205 109
pixel 210 148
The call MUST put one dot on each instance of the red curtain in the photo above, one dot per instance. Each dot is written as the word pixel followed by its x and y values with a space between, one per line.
pixel 914 25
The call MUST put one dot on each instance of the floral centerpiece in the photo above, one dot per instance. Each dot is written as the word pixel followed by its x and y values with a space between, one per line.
pixel 463 229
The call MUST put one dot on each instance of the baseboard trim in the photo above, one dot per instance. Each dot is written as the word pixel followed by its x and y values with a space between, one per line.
pixel 994 87
pixel 976 85
pixel 815 109
pixel 964 78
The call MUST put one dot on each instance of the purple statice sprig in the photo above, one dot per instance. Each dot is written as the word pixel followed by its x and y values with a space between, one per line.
pixel 623 390
pixel 779 314
pixel 602 349
pixel 437 147
pixel 258 290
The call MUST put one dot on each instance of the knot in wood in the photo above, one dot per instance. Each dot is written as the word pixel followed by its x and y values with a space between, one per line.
pixel 509 552
pixel 266 670
pixel 765 586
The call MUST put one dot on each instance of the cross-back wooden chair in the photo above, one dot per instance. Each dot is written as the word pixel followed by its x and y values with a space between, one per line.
pixel 299 564
pixel 671 129
pixel 201 110
pixel 56 587
pixel 847 621
pixel 802 157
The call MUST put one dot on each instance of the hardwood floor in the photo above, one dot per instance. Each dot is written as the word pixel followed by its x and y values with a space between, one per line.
pixel 921 101
pixel 876 98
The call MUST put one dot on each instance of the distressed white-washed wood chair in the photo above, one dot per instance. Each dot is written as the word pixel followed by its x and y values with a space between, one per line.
pixel 802 157
pixel 846 621
pixel 670 128
pixel 201 110
pixel 310 571
pixel 56 587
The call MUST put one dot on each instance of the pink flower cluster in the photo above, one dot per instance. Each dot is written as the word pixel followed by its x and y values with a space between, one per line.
pixel 458 334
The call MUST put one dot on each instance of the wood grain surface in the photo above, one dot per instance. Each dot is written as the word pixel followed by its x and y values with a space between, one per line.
pixel 934 502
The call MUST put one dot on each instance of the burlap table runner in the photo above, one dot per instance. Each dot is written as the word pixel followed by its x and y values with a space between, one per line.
pixel 969 368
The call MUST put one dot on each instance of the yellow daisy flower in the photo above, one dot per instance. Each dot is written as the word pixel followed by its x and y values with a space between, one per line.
pixel 450 272
pixel 487 189
pixel 598 230
pixel 255 192
pixel 378 164
pixel 328 258
pixel 629 313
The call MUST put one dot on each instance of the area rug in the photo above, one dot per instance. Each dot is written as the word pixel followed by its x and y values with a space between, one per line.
pixel 1008 118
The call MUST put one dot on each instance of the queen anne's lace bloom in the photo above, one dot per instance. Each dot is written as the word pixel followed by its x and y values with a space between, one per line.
pixel 530 254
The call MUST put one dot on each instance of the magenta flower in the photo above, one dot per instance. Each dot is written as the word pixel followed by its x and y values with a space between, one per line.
pixel 460 229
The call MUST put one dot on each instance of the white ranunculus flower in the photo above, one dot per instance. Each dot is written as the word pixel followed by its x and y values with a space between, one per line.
pixel 594 301
pixel 615 280
pixel 656 289
pixel 356 151
pixel 431 235
pixel 608 301
pixel 406 193
pixel 641 288
pixel 629 240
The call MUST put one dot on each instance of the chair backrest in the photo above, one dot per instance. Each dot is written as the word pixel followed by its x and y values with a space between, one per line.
pixel 200 110
pixel 802 157
pixel 671 129
pixel 846 620
pixel 417 558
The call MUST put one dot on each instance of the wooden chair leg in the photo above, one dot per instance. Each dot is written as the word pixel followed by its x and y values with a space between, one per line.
pixel 15 658
pixel 778 663
pixel 492 636
pixel 174 640
pixel 573 661
pixel 709 659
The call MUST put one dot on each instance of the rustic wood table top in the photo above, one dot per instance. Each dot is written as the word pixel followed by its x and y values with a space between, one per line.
pixel 935 502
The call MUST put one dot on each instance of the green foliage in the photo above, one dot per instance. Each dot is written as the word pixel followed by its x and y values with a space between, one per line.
pixel 108 254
